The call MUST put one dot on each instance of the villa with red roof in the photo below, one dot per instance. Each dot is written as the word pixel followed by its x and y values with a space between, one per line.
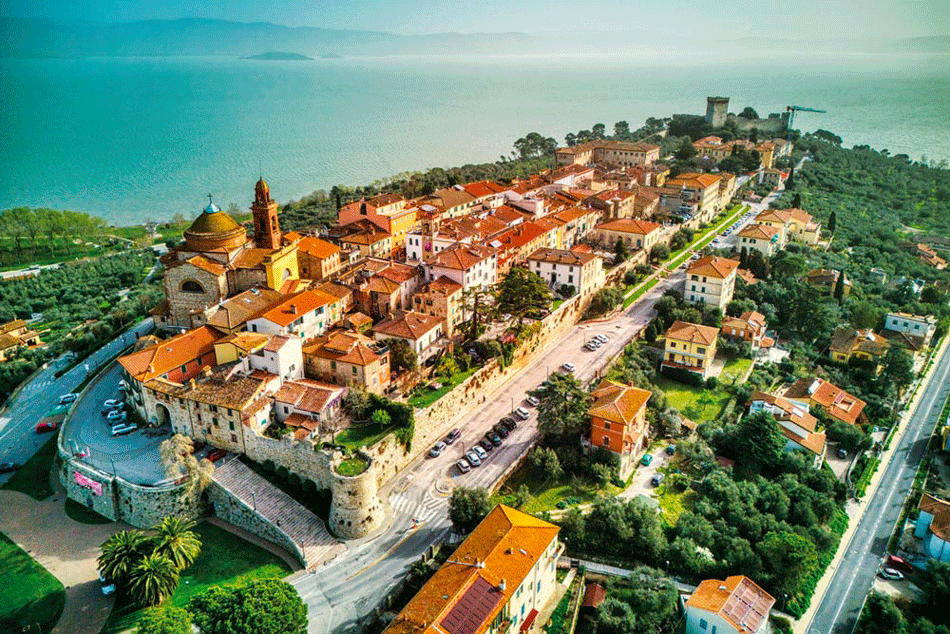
pixel 618 422
pixel 635 234
pixel 838 403
pixel 734 606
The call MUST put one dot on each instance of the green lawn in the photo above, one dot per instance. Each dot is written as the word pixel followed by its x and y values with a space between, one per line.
pixel 29 594
pixel 674 504
pixel 362 435
pixel 225 560
pixel 33 477
pixel 734 369
pixel 698 404
pixel 352 467
pixel 640 291
pixel 546 494
pixel 428 397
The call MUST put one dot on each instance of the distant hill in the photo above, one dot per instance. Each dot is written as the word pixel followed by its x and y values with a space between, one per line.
pixel 21 37
pixel 279 56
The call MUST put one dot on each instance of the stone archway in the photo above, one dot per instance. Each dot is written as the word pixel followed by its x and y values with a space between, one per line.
pixel 162 415
pixel 191 286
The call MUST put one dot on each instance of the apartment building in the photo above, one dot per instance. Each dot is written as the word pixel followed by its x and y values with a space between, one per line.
pixel 690 347
pixel 559 267
pixel 348 358
pixel 618 422
pixel 711 280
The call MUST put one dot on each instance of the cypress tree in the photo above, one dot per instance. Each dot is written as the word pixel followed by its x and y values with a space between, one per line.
pixel 744 258
pixel 839 287
pixel 797 201
pixel 832 222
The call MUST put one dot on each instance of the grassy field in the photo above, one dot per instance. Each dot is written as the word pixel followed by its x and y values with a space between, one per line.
pixel 225 560
pixel 428 397
pixel 33 477
pixel 546 494
pixel 352 467
pixel 698 404
pixel 639 292
pixel 363 435
pixel 734 370
pixel 674 504
pixel 29 594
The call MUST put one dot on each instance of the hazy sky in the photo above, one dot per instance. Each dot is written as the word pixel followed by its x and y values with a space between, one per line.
pixel 720 19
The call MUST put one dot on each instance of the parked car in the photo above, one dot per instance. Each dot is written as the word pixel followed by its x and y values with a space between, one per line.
pixel 842 453
pixel 116 415
pixel 453 436
pixel 657 479
pixel 112 402
pixel 890 573
pixel 590 346
pixel 121 430
pixel 7 467
pixel 463 466
pixel 647 460
pixel 217 454
pixel 481 453
pixel 899 563
pixel 594 343
pixel 522 413
pixel 485 445
pixel 493 438
pixel 44 428
pixel 670 450
pixel 602 338
pixel 473 459
pixel 532 401
pixel 437 449
pixel 510 423
pixel 501 430
pixel 197 446
pixel 568 366
pixel 66 399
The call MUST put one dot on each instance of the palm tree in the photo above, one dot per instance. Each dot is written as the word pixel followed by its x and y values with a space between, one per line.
pixel 121 553
pixel 176 541
pixel 153 580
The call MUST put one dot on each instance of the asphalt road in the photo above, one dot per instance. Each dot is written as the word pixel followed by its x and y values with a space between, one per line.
pixel 18 440
pixel 840 606
pixel 341 594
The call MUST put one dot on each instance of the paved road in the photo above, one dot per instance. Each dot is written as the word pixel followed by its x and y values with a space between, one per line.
pixel 839 608
pixel 341 595
pixel 18 441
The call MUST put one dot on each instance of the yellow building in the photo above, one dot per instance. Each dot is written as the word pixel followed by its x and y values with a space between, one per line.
pixel 866 345
pixel 690 347
pixel 441 297
pixel 390 212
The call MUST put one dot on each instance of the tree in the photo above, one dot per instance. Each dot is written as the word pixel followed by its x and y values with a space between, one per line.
pixel 788 265
pixel 599 130
pixel 832 222
pixel 936 586
pixel 263 606
pixel 760 440
pixel 522 292
pixel 790 181
pixel 121 553
pixel 754 135
pixel 881 616
pixel 468 507
pixel 749 113
pixel 153 580
pixel 356 403
pixel 744 258
pixel 402 356
pixel 839 287
pixel 790 557
pixel 864 315
pixel 176 540
pixel 797 200
pixel 933 295
pixel 477 304
pixel 615 617
pixel 621 253
pixel 659 252
pixel 419 571
pixel 562 411
pixel 605 300
pixel 177 456
pixel 621 130
pixel 545 460
pixel 898 368
pixel 685 152
pixel 381 417
pixel 165 620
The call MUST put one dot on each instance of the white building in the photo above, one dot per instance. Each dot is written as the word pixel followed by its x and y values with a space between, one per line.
pixel 922 326
pixel 470 265
pixel 711 280
pixel 734 606
pixel 762 238
pixel 306 314
pixel 557 267
pixel 422 332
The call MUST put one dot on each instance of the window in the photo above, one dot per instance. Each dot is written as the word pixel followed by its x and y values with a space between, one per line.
pixel 701 350
pixel 231 424
pixel 702 624
pixel 606 441
pixel 607 425
pixel 354 369
pixel 333 365
pixel 672 344
pixel 214 421
pixel 191 286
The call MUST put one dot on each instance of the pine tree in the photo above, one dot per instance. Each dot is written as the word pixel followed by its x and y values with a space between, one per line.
pixel 790 181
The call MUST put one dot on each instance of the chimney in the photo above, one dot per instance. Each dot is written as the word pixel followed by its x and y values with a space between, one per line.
pixel 501 585
pixel 293 309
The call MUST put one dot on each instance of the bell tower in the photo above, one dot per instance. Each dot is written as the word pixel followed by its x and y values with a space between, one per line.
pixel 264 209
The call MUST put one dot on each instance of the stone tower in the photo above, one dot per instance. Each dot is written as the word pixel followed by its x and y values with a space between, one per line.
pixel 717 110
pixel 264 209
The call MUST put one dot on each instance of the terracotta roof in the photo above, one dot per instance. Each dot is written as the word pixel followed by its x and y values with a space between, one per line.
pixel 336 290
pixel 445 198
pixel 308 395
pixel 250 258
pixel 562 256
pixel 836 401
pixel 379 284
pixel 774 215
pixel 296 306
pixel 629 225
pixel 758 232
pixel 365 233
pixel 246 341
pixel 205 264
pixel 825 277
pixel 16 324
pixel 713 266
pixel 345 347
pixel 399 273
pixel 747 321
pixel 461 256
pixel 912 343
pixel 518 236
pixel 746 276
pixel 236 310
pixel 940 509
pixel 847 340
pixel 464 598
pixel 358 319
pixel 408 325
pixel 233 392
pixel 800 215
pixel 701 181
pixel 594 595
pixel 442 285
pixel 317 248
pixel 737 599
pixel 483 189
pixel 694 333
pixel 618 403
pixel 784 409
pixel 165 356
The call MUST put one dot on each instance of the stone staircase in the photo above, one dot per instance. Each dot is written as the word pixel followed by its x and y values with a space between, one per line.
pixel 277 513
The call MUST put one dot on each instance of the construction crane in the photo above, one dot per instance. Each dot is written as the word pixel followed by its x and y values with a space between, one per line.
pixel 791 116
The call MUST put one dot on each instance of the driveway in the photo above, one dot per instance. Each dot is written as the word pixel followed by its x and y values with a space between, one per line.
pixel 640 483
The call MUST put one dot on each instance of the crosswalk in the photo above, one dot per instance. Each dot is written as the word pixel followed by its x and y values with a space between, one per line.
pixel 430 509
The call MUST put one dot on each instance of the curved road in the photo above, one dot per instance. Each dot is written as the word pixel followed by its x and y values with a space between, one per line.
pixel 840 607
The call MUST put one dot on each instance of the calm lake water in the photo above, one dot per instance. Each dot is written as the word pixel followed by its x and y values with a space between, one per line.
pixel 129 139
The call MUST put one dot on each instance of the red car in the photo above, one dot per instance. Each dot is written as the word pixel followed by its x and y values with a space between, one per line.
pixel 899 563
pixel 44 428
pixel 217 454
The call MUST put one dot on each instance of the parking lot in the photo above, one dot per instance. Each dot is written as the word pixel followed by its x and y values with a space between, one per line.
pixel 641 483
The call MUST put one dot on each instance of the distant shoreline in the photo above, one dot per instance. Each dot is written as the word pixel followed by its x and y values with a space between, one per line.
pixel 280 56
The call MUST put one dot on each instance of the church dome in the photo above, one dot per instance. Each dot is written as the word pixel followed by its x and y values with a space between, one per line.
pixel 214 229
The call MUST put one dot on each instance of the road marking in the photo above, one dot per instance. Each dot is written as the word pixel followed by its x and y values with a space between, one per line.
pixel 386 554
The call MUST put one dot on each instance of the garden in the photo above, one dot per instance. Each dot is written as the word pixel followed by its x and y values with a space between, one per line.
pixel 29 594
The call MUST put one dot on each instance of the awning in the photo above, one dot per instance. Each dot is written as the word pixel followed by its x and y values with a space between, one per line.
pixel 526 625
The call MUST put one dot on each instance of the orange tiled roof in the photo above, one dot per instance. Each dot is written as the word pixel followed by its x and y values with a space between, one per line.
pixel 343 347
pixel 738 599
pixel 562 256
pixel 788 410
pixel 618 403
pixel 317 248
pixel 758 232
pixel 837 402
pixel 307 395
pixel 940 509
pixel 295 306
pixel 408 325
pixel 236 310
pixel 167 355
pixel 713 266
pixel 629 225
pixel 461 256
pixel 701 181
pixel 507 543
pixel 694 333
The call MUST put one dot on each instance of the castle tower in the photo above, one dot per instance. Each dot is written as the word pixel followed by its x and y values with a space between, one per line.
pixel 264 209
pixel 717 110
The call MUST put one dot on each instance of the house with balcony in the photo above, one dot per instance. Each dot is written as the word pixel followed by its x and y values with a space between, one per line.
pixel 690 347
pixel 305 314
pixel 848 343
pixel 422 332
pixel 348 358
pixel 635 234
pixel 441 298
pixel 762 238
pixel 557 267
pixel 749 327
pixel 839 404
pixel 496 582
pixel 304 405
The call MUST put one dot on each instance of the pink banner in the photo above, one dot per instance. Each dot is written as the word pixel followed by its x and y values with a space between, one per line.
pixel 83 481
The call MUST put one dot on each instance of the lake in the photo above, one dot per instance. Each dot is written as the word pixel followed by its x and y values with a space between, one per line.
pixel 130 139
